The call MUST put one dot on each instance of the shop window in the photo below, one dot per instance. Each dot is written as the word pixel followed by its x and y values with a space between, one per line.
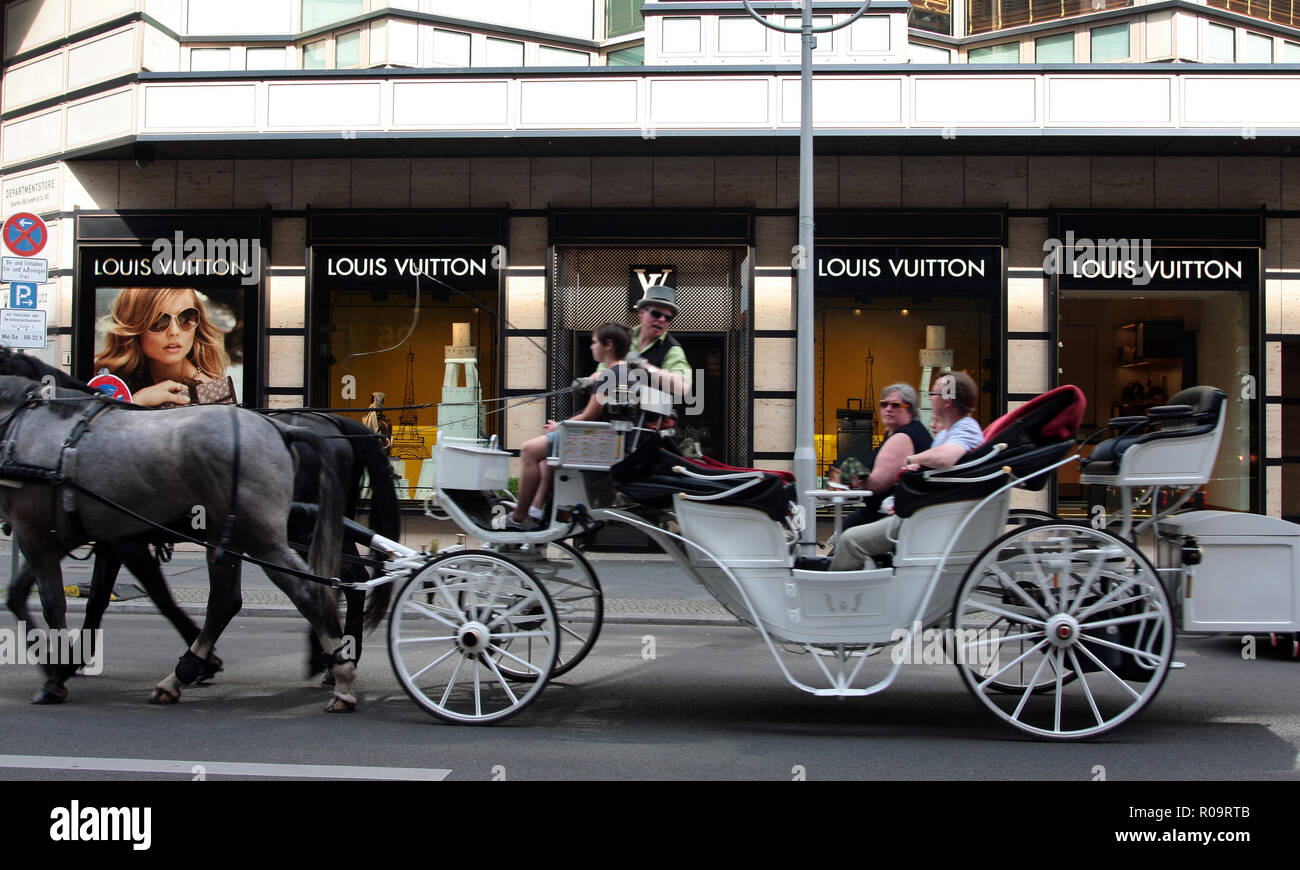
pixel 450 48
pixel 932 15
pixel 634 56
pixel 1111 43
pixel 825 44
pixel 504 52
pixel 1280 11
pixel 1007 52
pixel 622 17
pixel 313 55
pixel 209 59
pixel 265 58
pixel 989 15
pixel 548 56
pixel 347 49
pixel 318 13
pixel 1220 43
pixel 1058 48
pixel 1257 49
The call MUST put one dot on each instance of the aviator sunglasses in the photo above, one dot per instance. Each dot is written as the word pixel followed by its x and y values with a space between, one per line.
pixel 186 320
pixel 894 405
pixel 656 314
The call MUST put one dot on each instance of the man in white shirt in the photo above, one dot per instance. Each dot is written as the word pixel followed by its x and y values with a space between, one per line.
pixel 952 398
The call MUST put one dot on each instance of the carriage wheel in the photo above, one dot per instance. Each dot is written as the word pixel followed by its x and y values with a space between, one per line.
pixel 1067 630
pixel 579 604
pixel 456 620
pixel 1019 518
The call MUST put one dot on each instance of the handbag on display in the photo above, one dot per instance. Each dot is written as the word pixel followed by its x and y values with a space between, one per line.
pixel 218 392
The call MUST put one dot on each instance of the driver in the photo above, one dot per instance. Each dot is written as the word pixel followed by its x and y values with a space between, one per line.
pixel 952 398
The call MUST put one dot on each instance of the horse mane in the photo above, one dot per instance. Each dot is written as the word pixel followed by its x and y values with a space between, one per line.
pixel 14 391
pixel 24 366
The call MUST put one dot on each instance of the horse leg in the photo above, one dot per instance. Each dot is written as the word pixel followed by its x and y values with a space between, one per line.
pixel 322 612
pixel 44 563
pixel 224 601
pixel 134 553
pixel 20 587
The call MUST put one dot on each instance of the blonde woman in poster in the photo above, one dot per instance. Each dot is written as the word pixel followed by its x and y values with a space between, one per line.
pixel 162 344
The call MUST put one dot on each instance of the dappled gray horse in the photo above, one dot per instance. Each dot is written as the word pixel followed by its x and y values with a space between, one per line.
pixel 231 467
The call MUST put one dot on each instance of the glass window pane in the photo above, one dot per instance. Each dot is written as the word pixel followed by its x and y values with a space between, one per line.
pixel 1290 52
pixel 634 56
pixel 504 52
pixel 1110 43
pixel 1221 43
pixel 1055 49
pixel 209 59
pixel 318 13
pixel 1258 49
pixel 313 55
pixel 347 49
pixel 1007 52
pixel 917 53
pixel 623 16
pixel 681 35
pixel 741 35
pixel 450 48
pixel 548 56
pixel 265 58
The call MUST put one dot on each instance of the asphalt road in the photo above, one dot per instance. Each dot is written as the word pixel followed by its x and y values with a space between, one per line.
pixel 711 704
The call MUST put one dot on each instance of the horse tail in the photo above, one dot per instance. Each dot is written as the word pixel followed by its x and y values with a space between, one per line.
pixel 327 535
pixel 384 515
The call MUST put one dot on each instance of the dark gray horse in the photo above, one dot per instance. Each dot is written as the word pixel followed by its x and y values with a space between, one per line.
pixel 213 461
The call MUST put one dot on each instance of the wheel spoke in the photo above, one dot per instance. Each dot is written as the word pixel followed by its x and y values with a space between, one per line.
pixel 1140 654
pixel 500 679
pixel 407 640
pixel 427 611
pixel 1029 689
pixel 1058 664
pixel 1099 663
pixel 439 660
pixel 1087 692
pixel 1122 620
pixel 1011 616
pixel 451 682
pixel 1013 586
pixel 1017 660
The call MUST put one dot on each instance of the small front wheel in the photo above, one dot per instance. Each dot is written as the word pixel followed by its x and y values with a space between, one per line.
pixel 455 621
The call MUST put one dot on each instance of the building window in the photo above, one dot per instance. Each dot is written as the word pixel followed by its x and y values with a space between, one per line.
pixel 450 48
pixel 549 56
pixel 793 41
pixel 318 13
pixel 209 59
pixel 1220 43
pixel 265 58
pixel 1058 48
pixel 347 49
pixel 634 56
pixel 1110 43
pixel 1280 11
pixel 1258 49
pixel 932 15
pixel 680 35
pixel 741 35
pixel 1290 52
pixel 313 55
pixel 918 53
pixel 987 15
pixel 623 16
pixel 504 52
pixel 1007 52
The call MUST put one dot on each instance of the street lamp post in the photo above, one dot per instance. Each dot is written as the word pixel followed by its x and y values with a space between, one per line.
pixel 805 454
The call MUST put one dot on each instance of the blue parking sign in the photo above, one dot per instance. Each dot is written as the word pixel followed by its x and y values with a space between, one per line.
pixel 22 295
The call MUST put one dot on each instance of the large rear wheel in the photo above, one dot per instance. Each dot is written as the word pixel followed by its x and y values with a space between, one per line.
pixel 1066 630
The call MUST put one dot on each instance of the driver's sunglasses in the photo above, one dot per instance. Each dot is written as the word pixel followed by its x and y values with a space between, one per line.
pixel 186 320
pixel 665 316
pixel 895 405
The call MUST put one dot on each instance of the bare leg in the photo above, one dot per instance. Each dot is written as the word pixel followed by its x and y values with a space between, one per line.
pixel 533 475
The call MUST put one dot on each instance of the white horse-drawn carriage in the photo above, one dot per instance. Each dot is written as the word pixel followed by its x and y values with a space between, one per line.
pixel 1060 629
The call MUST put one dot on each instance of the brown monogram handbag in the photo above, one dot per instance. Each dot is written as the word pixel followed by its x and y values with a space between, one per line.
pixel 218 392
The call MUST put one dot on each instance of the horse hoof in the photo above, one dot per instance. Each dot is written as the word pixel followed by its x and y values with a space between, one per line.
pixel 339 704
pixel 46 695
pixel 161 696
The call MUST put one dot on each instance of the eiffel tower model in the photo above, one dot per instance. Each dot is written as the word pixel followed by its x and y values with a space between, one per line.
pixel 408 443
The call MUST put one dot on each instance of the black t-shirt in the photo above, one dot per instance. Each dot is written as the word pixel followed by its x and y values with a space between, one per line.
pixel 870 510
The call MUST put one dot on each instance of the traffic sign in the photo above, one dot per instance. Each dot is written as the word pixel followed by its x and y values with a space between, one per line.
pixel 28 269
pixel 22 294
pixel 22 328
pixel 25 234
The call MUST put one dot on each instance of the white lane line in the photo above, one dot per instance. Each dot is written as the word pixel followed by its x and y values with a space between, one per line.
pixel 222 768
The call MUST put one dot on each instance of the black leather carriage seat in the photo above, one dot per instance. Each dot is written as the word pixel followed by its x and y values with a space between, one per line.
pixel 1190 413
pixel 1037 434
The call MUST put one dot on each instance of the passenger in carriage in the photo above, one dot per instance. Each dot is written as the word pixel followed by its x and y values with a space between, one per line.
pixel 953 398
pixel 609 347
pixel 904 436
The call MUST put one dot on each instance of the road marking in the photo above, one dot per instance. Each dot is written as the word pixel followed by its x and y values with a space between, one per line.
pixel 223 768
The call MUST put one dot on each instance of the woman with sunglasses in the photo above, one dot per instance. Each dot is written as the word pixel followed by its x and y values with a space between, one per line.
pixel 159 342
pixel 904 437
